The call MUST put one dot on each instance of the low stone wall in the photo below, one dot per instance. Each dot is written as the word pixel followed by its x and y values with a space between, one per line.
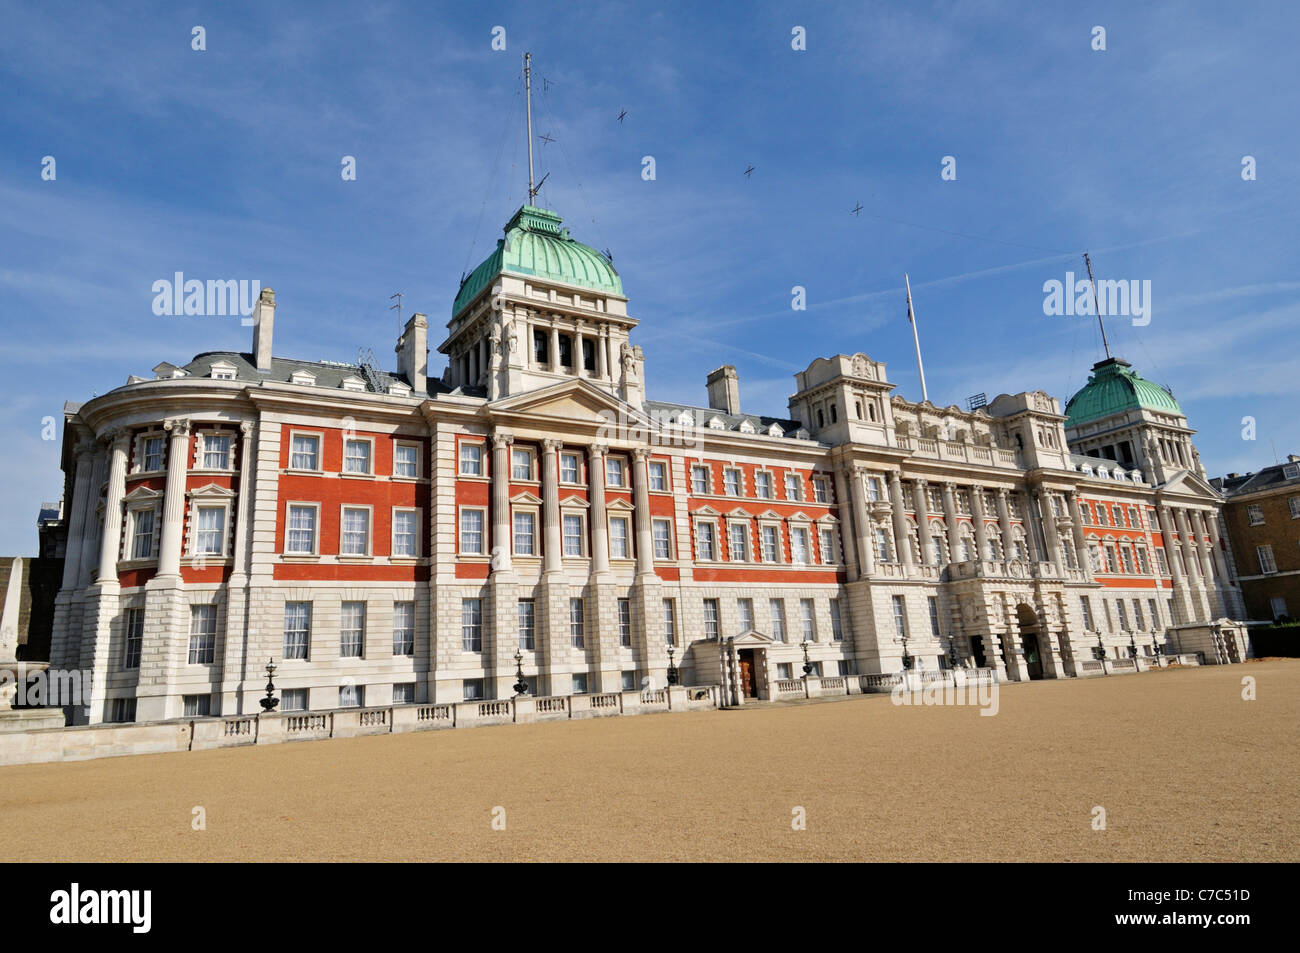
pixel 198 734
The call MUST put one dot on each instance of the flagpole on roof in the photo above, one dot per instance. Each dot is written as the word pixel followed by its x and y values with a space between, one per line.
pixel 920 368
pixel 528 108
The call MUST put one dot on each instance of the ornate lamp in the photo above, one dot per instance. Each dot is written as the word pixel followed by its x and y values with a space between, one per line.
pixel 672 669
pixel 807 665
pixel 521 686
pixel 270 702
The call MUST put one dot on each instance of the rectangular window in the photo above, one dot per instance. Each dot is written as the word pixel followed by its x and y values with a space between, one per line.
pixel 579 683
pixel 297 629
pixel 134 638
pixel 521 464
pixel 404 628
pixel 471 625
pixel 737 542
pixel 142 543
pixel 614 473
pixel 821 492
pixel 745 613
pixel 203 634
pixel 352 696
pixel 776 617
pixel 356 456
pixel 629 681
pixel 1126 559
pixel 1294 504
pixel 731 482
pixel 210 538
pixel 1266 563
pixel 763 485
pixel 670 622
pixel 471 459
pixel 471 532
pixel 700 480
pixel 900 617
pixel 197 706
pixel 658 475
pixel 1086 604
pixel 619 547
pixel 352 629
pixel 771 551
pixel 527 625
pixel 1155 613
pixel 837 624
pixel 783 670
pixel 304 452
pixel 541 348
pixel 873 489
pixel 293 699
pixel 572 535
pixel 625 623
pixel 705 541
pixel 406 460
pixel 153 454
pixel 882 545
pixel 808 620
pixel 663 538
pixel 123 710
pixel 301 537
pixel 525 534
pixel 216 452
pixel 793 487
pixel 1162 562
pixel 1144 564
pixel 799 545
pixel 711 619
pixel 570 468
pixel 404 693
pixel 827 543
pixel 1112 565
pixel 1123 615
pixel 1256 514
pixel 404 533
pixel 1137 614
pixel 577 623
pixel 472 689
pixel 934 616
pixel 356 532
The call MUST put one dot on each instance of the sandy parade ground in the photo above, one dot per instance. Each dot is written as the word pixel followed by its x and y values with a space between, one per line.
pixel 1184 768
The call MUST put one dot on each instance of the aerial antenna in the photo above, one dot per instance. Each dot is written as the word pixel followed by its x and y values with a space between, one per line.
pixel 920 369
pixel 1097 304
pixel 528 108
pixel 398 308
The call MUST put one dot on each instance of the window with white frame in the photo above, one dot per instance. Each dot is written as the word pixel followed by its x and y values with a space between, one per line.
pixel 821 490
pixel 658 475
pixel 216 451
pixel 1162 562
pixel 882 546
pixel 793 487
pixel 662 531
pixel 615 472
pixel 527 619
pixel 1126 559
pixel 304 451
pixel 807 619
pixel 776 618
pixel 154 448
pixel 1085 604
pixel 873 489
pixel 1123 615
pixel 625 623
pixel 404 693
pixel 196 706
pixel 471 689
pixel 210 531
pixel 357 453
pixel 731 481
pixel 570 468
pixel 404 533
pixel 352 629
pixel 203 634
pixel 745 614
pixel 471 458
pixel 356 531
pixel 521 463
pixel 763 484
pixel 141 533
pixel 471 532
pixel 471 625
pixel 297 629
pixel 573 536
pixel 738 542
pixel 771 544
pixel 404 628
pixel 933 603
pixel 900 617
pixel 577 623
pixel 1154 607
pixel 1294 504
pixel 406 460
pixel 700 479
pixel 799 545
pixel 525 526
pixel 293 699
pixel 1138 622
pixel 670 621
pixel 711 619
pixel 837 624
pixel 1267 565
pixel 619 545
pixel 826 542
pixel 629 681
pixel 579 683
pixel 705 543
pixel 352 696
pixel 133 643
pixel 300 535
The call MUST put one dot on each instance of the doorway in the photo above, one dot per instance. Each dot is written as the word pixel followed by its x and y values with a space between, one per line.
pixel 977 651
pixel 748 673
pixel 1029 643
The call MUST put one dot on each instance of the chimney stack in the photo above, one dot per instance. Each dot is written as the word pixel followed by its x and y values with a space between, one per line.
pixel 263 327
pixel 413 353
pixel 724 389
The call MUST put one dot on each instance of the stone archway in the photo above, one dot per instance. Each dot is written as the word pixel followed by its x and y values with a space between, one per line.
pixel 1030 640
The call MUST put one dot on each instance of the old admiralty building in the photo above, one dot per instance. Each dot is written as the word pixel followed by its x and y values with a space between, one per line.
pixel 390 537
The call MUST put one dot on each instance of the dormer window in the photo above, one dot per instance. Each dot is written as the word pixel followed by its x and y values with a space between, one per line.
pixel 354 384
pixel 306 378
pixel 222 371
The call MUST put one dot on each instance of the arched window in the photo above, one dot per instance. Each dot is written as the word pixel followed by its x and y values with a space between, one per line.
pixel 857 409
pixel 871 412
pixel 821 420
pixel 834 414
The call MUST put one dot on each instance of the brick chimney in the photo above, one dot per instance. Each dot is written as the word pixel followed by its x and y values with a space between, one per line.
pixel 413 352
pixel 724 389
pixel 263 328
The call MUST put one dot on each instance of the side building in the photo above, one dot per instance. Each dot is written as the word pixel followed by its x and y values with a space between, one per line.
pixel 1262 515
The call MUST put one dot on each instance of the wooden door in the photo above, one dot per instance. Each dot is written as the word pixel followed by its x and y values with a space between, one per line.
pixel 747 684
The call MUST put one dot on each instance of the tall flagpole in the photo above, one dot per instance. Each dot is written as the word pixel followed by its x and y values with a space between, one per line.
pixel 1097 305
pixel 528 97
pixel 920 368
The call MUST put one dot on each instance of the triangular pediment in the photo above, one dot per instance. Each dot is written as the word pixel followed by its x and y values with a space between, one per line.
pixel 573 401
pixel 210 489
pixel 618 503
pixel 143 493
pixel 1187 483
pixel 705 511
pixel 752 638
pixel 527 498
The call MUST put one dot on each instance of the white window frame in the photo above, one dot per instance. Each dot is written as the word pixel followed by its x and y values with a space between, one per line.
pixel 201 451
pixel 714 554
pixel 1267 562
pixel 659 467
pixel 760 491
pixel 406 445
pixel 826 545
pixel 797 495
pixel 197 530
pixel 581 517
pixel 743 526
pixel 370 458
pixel 399 648
pixel 745 613
pixel 837 619
pixel 142 452
pixel 577 468
pixel 471 626
pixel 531 513
pixel 526 627
pixel 529 465
pixel 289 506
pixel 626 537
pixel 615 466
pixel 482 512
pixel 345 607
pixel 153 506
pixel 733 481
pixel 698 470
pixel 577 623
pixel 370 529
pixel 764 526
pixel 415 533
pixel 306 646
pixel 822 490
pixel 461 459
pixel 670 621
pixel 797 529
pixel 655 538
pixel 776 618
pixel 808 619
pixel 712 619
pixel 319 439
pixel 207 639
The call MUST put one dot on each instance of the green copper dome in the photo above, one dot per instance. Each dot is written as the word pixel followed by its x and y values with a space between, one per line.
pixel 537 245
pixel 1113 389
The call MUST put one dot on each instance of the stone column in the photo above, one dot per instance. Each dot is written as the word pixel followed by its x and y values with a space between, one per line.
pixel 1042 498
pixel 902 540
pixel 1226 586
pixel 1004 523
pixel 923 536
pixel 555 349
pixel 858 554
pixel 501 544
pixel 1175 568
pixel 81 505
pixel 641 497
pixel 599 524
pixel 235 658
pixel 602 340
pixel 579 359
pixel 1213 591
pixel 90 532
pixel 1080 544
pixel 950 518
pixel 111 538
pixel 551 554
pixel 977 518
pixel 173 524
pixel 1196 595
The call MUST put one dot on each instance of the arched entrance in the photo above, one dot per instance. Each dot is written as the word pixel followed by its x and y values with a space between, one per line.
pixel 1029 641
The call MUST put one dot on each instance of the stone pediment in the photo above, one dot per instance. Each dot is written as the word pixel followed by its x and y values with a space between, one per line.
pixel 527 498
pixel 574 401
pixel 1185 482
pixel 143 493
pixel 751 638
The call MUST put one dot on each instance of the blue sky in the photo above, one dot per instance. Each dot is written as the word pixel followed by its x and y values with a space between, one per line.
pixel 226 164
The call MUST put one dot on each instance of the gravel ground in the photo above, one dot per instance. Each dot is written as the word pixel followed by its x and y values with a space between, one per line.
pixel 1185 769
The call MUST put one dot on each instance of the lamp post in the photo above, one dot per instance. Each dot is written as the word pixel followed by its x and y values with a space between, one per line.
pixel 1132 646
pixel 521 687
pixel 807 665
pixel 672 669
pixel 270 702
pixel 907 656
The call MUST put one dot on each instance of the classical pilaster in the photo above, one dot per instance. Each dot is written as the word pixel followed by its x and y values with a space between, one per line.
pixel 234 656
pixel 1076 527
pixel 1004 523
pixel 922 506
pixel 858 553
pixel 81 505
pixel 1182 600
pixel 1196 582
pixel 556 367
pixel 1047 519
pixel 599 524
pixel 950 520
pixel 551 551
pixel 902 539
pixel 173 524
pixel 501 546
pixel 111 537
pixel 645 565
pixel 90 535
pixel 978 516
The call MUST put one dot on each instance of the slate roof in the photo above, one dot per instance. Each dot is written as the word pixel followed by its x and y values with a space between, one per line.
pixel 702 416
pixel 1266 479
pixel 328 374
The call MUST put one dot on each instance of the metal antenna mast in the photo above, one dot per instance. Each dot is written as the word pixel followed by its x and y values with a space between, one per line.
pixel 398 308
pixel 528 100
pixel 1097 304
